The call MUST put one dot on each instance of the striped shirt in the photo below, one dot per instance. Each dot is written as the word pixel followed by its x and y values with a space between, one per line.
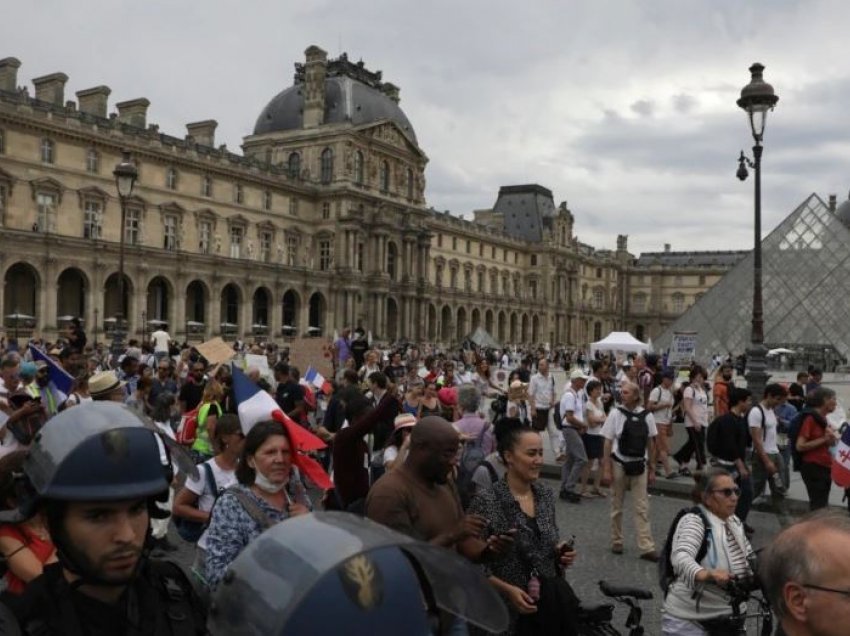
pixel 686 544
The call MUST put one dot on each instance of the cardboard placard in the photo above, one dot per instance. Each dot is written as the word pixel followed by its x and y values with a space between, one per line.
pixel 216 351
pixel 682 349
pixel 315 352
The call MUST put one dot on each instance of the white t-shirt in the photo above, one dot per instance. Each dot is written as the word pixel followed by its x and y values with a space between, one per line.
pixel 160 339
pixel 390 454
pixel 613 428
pixel 572 401
pixel 541 390
pixel 768 433
pixel 660 394
pixel 206 498
pixel 593 409
pixel 700 406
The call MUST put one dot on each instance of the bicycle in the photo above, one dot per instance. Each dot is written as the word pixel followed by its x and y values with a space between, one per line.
pixel 741 590
pixel 596 620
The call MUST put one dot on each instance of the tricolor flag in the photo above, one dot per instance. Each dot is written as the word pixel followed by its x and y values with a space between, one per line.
pixel 312 376
pixel 255 405
pixel 60 382
pixel 841 460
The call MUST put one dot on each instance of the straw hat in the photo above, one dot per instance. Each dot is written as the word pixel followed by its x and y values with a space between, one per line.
pixel 104 383
pixel 405 420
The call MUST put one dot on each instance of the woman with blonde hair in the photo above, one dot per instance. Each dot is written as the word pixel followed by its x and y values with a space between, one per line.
pixel 208 413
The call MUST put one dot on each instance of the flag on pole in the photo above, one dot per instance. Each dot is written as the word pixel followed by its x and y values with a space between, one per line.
pixel 841 460
pixel 59 383
pixel 255 405
pixel 317 380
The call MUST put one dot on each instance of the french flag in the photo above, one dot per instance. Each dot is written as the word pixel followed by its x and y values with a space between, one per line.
pixel 841 460
pixel 61 382
pixel 312 376
pixel 255 405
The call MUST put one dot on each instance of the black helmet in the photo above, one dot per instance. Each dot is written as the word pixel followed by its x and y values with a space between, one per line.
pixel 98 451
pixel 334 572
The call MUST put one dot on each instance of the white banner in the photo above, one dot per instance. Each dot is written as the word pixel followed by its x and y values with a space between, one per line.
pixel 682 349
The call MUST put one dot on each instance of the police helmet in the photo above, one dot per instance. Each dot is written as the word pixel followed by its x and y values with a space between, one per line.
pixel 98 451
pixel 334 572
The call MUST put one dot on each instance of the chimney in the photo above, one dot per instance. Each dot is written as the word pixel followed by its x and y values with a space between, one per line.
pixel 391 91
pixel 667 248
pixel 133 112
pixel 51 88
pixel 833 201
pixel 622 242
pixel 315 71
pixel 203 132
pixel 9 74
pixel 93 100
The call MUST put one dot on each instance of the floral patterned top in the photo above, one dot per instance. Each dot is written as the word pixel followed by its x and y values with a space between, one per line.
pixel 232 528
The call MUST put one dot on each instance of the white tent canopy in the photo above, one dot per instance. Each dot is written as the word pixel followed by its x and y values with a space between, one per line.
pixel 619 341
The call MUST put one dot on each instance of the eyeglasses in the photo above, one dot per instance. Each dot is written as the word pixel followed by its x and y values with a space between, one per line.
pixel 728 492
pixel 811 586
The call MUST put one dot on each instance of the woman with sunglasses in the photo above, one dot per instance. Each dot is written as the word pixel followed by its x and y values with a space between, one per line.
pixel 708 548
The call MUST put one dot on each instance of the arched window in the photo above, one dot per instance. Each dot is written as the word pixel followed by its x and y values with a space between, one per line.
pixel 294 165
pixel 385 176
pixel 358 168
pixel 327 172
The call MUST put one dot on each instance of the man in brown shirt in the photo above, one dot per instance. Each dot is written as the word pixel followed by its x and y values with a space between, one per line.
pixel 420 500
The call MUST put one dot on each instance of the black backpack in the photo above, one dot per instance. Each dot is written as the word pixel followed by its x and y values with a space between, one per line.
pixel 666 576
pixel 635 436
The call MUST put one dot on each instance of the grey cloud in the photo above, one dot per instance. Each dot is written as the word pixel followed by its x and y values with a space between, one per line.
pixel 643 107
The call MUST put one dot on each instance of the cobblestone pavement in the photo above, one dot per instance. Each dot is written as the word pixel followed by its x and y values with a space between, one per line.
pixel 589 522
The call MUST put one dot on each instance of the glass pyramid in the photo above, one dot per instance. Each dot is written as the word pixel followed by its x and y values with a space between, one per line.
pixel 806 291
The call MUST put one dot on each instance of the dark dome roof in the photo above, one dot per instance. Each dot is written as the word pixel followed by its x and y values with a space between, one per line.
pixel 346 100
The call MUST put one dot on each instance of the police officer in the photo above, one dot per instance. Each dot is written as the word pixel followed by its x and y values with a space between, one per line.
pixel 329 573
pixel 96 472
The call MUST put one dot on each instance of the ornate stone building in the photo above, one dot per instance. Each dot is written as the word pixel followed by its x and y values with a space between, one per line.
pixel 319 223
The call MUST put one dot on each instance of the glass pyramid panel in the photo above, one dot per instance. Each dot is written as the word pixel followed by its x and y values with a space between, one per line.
pixel 806 290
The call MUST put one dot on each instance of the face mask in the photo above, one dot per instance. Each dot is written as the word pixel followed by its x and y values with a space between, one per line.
pixel 262 482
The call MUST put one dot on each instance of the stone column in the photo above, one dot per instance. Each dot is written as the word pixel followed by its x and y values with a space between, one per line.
pixel 212 318
pixel 276 314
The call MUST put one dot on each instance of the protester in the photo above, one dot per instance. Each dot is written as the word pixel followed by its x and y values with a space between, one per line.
pixel 270 490
pixel 26 546
pixel 805 574
pixel 472 427
pixel 572 408
pixel 660 404
pixel 520 505
pixel 629 453
pixel 593 440
pixel 209 411
pixel 696 604
pixel 813 443
pixel 195 500
pixel 106 387
pixel 395 452
pixel 695 406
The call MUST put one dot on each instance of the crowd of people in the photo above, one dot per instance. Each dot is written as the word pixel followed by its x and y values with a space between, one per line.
pixel 444 448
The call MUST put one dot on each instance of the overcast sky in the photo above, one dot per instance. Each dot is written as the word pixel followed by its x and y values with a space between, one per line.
pixel 623 108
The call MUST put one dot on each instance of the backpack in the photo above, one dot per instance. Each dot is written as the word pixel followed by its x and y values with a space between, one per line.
pixel 666 576
pixel 635 436
pixel 190 530
pixel 471 458
pixel 794 427
pixel 187 430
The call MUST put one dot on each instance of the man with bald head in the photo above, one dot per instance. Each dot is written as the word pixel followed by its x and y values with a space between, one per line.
pixel 420 498
pixel 805 573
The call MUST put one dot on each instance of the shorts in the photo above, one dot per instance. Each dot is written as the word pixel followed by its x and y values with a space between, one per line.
pixel 593 445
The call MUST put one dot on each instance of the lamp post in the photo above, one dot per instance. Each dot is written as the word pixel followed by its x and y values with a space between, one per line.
pixel 125 174
pixel 757 98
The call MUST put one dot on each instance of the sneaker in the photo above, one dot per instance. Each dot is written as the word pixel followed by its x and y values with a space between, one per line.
pixel 616 549
pixel 652 556
pixel 684 471
pixel 570 497
pixel 672 475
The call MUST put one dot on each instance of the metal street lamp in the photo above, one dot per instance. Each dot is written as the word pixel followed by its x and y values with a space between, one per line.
pixel 757 98
pixel 125 174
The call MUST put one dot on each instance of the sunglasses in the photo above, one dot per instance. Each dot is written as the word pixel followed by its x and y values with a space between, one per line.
pixel 728 492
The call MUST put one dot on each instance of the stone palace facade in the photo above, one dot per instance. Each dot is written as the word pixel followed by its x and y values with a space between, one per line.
pixel 320 222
